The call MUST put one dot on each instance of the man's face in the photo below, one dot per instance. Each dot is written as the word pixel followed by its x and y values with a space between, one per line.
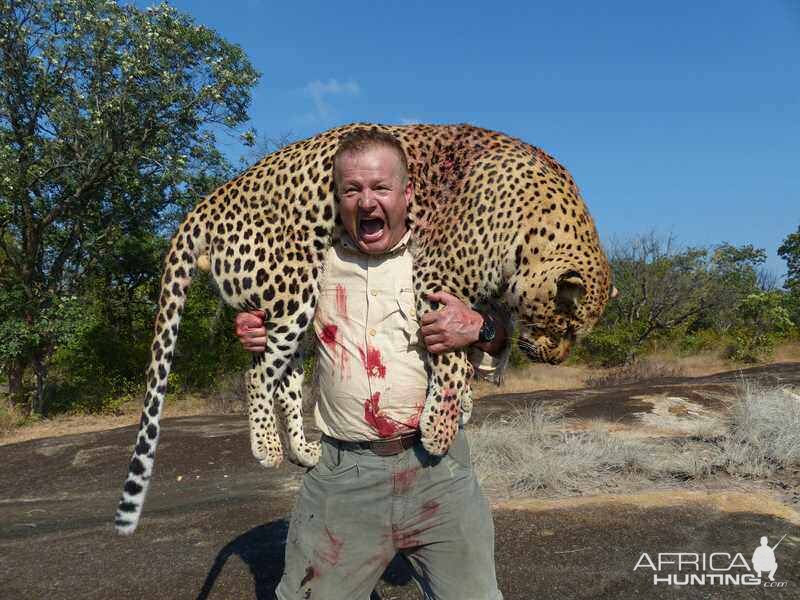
pixel 373 198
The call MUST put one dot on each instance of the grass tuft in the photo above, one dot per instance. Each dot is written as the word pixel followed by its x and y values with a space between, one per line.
pixel 533 451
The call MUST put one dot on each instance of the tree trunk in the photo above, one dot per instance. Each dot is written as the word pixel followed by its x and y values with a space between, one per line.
pixel 16 373
pixel 40 368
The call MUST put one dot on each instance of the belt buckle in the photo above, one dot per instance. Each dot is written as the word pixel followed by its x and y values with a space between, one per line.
pixel 392 446
pixel 387 447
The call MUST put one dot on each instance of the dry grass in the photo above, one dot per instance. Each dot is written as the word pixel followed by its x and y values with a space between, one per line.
pixel 229 395
pixel 534 452
pixel 10 417
pixel 129 414
pixel 638 370
pixel 534 377
pixel 789 352
pixel 765 430
pixel 711 362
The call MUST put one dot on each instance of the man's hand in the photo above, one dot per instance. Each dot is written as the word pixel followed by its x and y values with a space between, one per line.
pixel 453 326
pixel 251 331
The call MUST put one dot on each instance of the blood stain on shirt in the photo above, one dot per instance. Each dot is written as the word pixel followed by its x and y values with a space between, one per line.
pixel 331 336
pixel 328 336
pixel 413 422
pixel 372 361
pixel 383 425
pixel 341 300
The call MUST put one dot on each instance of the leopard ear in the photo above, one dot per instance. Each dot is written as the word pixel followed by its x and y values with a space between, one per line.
pixel 570 292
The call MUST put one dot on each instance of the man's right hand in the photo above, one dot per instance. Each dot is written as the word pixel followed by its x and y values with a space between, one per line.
pixel 251 331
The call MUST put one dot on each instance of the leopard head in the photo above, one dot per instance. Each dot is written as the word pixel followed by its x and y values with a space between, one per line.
pixel 557 298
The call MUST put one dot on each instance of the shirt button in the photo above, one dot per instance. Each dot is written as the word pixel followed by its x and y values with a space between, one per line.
pixel 374 292
pixel 372 332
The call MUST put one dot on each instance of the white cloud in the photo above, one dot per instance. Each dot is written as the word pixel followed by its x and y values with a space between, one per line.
pixel 321 91
pixel 410 120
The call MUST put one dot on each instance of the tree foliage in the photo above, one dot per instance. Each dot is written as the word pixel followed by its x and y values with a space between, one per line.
pixel 667 291
pixel 789 251
pixel 108 117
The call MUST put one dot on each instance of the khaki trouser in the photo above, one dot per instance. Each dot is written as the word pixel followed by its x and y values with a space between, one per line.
pixel 356 510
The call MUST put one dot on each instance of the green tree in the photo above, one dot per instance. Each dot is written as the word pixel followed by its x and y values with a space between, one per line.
pixel 733 276
pixel 763 320
pixel 661 287
pixel 789 251
pixel 667 291
pixel 108 117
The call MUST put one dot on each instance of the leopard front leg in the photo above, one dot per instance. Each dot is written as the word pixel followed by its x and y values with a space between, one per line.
pixel 449 400
pixel 289 396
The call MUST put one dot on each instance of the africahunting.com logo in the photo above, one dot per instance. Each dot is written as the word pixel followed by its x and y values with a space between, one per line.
pixel 715 568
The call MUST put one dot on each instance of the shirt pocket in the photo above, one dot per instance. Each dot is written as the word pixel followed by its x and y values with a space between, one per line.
pixel 410 335
pixel 339 305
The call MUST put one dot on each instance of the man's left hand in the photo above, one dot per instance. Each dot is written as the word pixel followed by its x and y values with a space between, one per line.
pixel 454 325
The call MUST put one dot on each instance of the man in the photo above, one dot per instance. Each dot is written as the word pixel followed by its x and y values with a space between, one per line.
pixel 375 490
pixel 764 559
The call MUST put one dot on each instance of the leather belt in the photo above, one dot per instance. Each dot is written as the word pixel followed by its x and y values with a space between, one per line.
pixel 386 447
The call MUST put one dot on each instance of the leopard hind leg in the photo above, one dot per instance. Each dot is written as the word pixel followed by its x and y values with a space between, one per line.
pixel 289 397
pixel 264 380
pixel 265 443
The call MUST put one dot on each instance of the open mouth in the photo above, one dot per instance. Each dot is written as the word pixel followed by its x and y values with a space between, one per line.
pixel 371 229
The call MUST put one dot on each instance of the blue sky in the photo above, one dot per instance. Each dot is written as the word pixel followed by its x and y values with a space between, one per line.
pixel 678 117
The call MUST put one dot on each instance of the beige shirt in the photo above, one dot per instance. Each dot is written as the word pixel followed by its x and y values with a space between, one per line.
pixel 370 358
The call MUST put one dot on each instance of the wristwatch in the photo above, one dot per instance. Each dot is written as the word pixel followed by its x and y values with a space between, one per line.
pixel 488 330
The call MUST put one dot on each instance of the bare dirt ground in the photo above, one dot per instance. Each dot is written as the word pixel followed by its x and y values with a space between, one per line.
pixel 215 522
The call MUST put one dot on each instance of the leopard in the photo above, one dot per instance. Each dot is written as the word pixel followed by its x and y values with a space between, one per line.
pixel 492 218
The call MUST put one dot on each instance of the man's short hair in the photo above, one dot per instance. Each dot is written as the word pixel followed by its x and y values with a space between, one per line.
pixel 363 139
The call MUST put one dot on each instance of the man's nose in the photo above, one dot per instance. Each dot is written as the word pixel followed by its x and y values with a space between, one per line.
pixel 367 199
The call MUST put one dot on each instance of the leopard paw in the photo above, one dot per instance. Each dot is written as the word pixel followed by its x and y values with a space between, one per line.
pixel 439 420
pixel 267 450
pixel 307 455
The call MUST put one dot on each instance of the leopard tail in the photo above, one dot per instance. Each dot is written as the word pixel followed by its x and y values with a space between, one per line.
pixel 179 267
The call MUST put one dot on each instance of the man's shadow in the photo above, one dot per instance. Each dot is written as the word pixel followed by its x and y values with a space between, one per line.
pixel 262 550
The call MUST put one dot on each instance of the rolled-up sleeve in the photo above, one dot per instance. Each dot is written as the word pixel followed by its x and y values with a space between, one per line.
pixel 488 367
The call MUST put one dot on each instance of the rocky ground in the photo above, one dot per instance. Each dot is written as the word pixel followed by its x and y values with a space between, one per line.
pixel 215 522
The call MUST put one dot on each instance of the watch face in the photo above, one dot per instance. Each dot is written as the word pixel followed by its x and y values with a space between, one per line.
pixel 487 331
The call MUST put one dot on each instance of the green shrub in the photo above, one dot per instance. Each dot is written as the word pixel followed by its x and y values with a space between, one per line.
pixel 607 347
pixel 699 341
pixel 763 322
pixel 749 348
